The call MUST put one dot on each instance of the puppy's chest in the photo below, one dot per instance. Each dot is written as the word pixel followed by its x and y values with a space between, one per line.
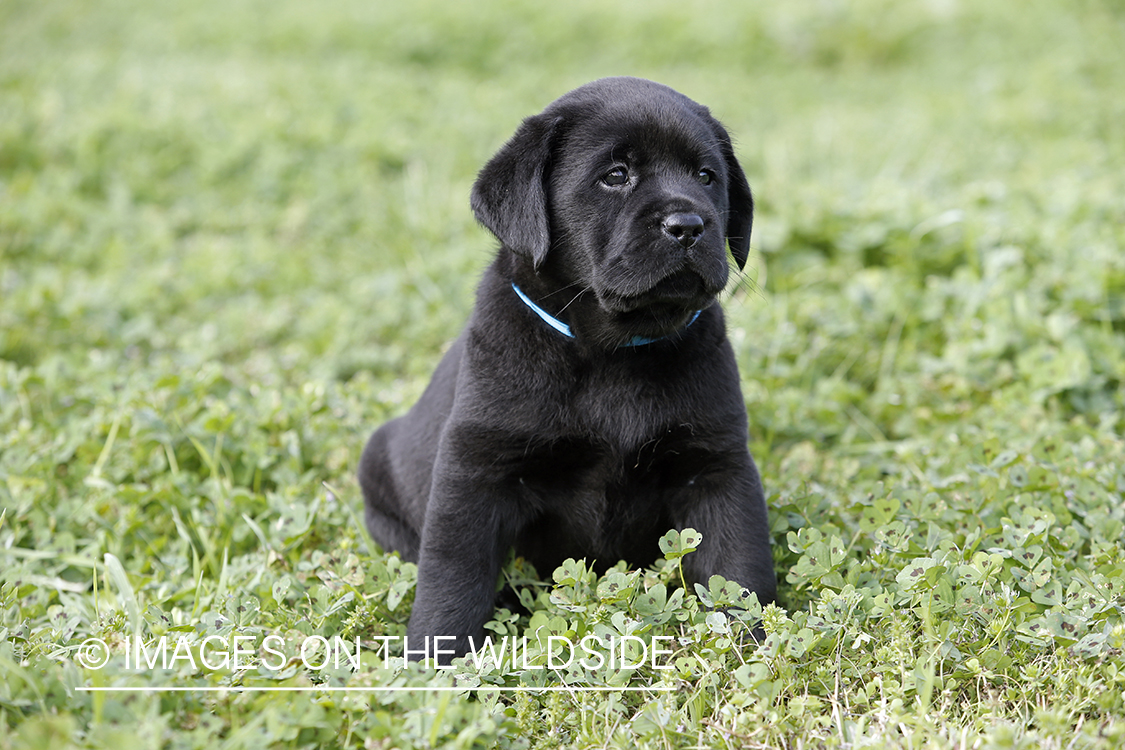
pixel 611 440
pixel 582 497
pixel 577 468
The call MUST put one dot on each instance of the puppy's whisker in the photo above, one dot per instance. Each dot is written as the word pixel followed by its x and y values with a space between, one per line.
pixel 575 297
pixel 742 282
pixel 562 289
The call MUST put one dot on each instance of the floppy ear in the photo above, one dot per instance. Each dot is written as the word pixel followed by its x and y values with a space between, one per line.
pixel 510 194
pixel 740 206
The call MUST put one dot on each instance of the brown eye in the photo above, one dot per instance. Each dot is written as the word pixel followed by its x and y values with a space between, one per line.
pixel 705 177
pixel 616 177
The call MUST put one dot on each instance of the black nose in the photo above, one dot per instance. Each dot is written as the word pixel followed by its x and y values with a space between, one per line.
pixel 684 228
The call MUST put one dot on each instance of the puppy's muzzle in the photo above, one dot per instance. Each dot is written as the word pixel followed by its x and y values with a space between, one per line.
pixel 684 228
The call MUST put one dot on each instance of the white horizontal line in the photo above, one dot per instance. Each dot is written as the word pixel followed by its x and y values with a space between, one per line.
pixel 389 689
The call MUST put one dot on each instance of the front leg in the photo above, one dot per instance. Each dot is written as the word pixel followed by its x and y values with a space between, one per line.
pixel 728 508
pixel 464 540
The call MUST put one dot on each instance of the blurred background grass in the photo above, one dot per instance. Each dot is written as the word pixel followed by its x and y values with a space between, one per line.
pixel 241 180
pixel 281 190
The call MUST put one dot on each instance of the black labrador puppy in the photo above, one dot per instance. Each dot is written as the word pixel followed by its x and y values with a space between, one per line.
pixel 593 401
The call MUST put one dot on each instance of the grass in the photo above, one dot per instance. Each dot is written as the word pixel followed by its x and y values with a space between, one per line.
pixel 235 237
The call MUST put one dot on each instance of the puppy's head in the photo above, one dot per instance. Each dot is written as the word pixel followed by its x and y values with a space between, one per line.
pixel 628 192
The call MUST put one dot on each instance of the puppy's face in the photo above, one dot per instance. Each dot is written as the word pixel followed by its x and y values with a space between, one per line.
pixel 628 192
pixel 639 199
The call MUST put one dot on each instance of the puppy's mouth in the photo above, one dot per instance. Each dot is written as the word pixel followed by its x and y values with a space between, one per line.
pixel 680 290
pixel 665 308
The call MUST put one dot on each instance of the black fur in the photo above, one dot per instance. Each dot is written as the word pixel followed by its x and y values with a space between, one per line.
pixel 584 447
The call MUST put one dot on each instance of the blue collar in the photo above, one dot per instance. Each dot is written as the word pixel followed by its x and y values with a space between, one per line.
pixel 564 329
